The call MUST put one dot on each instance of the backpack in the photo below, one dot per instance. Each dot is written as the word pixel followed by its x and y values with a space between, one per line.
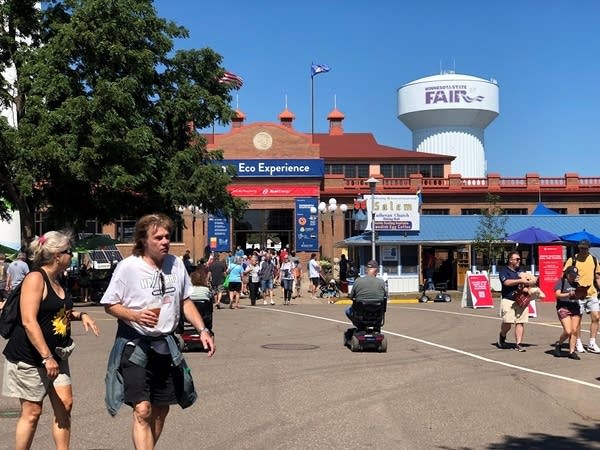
pixel 574 262
pixel 10 315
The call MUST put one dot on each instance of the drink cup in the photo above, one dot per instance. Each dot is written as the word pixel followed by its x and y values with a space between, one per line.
pixel 155 306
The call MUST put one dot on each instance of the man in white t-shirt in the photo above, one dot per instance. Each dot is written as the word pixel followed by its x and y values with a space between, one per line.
pixel 149 379
pixel 314 272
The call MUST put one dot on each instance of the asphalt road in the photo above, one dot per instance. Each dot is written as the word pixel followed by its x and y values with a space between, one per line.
pixel 281 379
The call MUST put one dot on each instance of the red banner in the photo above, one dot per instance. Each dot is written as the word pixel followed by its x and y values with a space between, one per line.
pixel 550 266
pixel 481 294
pixel 273 191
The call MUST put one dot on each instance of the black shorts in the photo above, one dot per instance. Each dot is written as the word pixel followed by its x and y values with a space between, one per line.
pixel 154 383
pixel 235 286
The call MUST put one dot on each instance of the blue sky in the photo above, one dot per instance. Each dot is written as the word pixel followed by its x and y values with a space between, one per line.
pixel 544 55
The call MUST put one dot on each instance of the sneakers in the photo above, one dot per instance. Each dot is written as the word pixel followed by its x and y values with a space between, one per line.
pixel 556 352
pixel 579 347
pixel 519 348
pixel 272 302
pixel 593 348
pixel 264 302
pixel 574 355
pixel 501 341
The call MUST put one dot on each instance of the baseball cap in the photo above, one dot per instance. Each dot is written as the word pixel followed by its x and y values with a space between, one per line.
pixel 583 243
pixel 571 270
pixel 373 264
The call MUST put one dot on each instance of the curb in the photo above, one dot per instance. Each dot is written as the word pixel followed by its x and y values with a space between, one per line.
pixel 399 301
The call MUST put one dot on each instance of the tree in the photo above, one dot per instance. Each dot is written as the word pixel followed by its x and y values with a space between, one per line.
pixel 491 231
pixel 107 114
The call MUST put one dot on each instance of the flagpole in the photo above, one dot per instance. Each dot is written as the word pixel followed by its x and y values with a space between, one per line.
pixel 312 108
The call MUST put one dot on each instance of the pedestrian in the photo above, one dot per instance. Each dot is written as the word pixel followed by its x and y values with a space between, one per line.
pixel 267 274
pixel 511 312
pixel 16 271
pixel 587 266
pixel 218 270
pixel 568 310
pixel 314 273
pixel 287 279
pixel 235 272
pixel 84 282
pixel 254 279
pixel 297 277
pixel 3 278
pixel 146 370
pixel 343 268
pixel 38 350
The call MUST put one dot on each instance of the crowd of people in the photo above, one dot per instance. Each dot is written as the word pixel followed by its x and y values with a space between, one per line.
pixel 151 291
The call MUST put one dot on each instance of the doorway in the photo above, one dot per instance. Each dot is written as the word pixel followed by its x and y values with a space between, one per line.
pixel 264 228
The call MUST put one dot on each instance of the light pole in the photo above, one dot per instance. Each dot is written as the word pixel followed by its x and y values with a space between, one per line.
pixel 195 211
pixel 372 184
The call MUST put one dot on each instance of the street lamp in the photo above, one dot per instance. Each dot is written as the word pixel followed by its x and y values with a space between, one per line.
pixel 330 209
pixel 372 184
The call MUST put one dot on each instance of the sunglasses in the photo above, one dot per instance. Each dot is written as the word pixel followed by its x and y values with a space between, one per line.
pixel 163 287
pixel 516 259
pixel 67 252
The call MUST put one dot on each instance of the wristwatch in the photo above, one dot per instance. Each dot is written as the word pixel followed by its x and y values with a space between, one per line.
pixel 203 329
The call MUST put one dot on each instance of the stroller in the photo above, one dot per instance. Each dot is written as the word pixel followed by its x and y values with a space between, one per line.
pixel 187 336
pixel 328 289
pixel 368 317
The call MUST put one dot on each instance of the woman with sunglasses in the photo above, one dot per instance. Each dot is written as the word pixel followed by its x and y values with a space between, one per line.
pixel 38 349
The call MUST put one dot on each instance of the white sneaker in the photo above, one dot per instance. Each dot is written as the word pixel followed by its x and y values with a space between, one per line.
pixel 593 348
pixel 264 302
pixel 579 348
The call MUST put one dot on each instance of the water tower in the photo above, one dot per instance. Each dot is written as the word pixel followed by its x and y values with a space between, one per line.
pixel 447 115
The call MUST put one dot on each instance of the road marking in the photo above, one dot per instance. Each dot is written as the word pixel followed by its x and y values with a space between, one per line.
pixel 450 349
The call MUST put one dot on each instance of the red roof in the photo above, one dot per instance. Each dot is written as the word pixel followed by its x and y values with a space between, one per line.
pixel 363 146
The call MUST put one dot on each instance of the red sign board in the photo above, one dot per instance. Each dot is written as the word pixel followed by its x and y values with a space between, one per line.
pixel 274 191
pixel 481 294
pixel 550 266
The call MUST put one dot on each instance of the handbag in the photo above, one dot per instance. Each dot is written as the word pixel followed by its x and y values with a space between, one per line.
pixel 226 282
pixel 522 298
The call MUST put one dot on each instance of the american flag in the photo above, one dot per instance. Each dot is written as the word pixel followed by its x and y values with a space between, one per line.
pixel 231 78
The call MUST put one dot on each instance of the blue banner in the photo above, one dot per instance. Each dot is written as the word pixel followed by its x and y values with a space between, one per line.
pixel 307 225
pixel 298 168
pixel 219 233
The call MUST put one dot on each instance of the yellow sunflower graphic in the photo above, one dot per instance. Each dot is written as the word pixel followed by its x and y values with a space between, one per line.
pixel 61 322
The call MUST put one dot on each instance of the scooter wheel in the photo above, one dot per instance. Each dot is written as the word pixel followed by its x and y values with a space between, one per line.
pixel 383 346
pixel 354 344
pixel 424 299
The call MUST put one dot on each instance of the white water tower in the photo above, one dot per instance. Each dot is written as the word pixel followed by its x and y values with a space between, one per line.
pixel 447 115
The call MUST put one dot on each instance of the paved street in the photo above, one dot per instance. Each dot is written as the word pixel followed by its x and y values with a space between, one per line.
pixel 281 379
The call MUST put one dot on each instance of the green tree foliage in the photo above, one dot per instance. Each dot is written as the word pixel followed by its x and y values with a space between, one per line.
pixel 107 113
pixel 491 231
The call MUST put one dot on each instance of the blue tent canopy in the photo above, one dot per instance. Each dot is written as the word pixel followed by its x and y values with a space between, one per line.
pixel 542 210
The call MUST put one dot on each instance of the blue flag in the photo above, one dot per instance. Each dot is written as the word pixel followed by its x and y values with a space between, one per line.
pixel 316 69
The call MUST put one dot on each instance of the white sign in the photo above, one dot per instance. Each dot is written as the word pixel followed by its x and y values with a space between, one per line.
pixel 394 212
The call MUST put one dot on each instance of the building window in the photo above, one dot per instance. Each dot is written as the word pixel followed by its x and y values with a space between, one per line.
pixel 470 211
pixel 409 259
pixel 589 210
pixel 92 227
pixel 435 212
pixel 41 223
pixel 559 210
pixel 437 171
pixel 334 169
pixel 124 229
pixel 516 211
pixel 404 170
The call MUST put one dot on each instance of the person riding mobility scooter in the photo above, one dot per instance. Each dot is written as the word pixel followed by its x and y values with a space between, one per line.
pixel 367 313
pixel 202 296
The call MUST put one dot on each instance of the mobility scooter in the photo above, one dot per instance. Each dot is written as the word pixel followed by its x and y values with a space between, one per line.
pixel 188 337
pixel 368 317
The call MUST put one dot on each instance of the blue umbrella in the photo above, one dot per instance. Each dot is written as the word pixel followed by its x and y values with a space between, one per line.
pixel 533 235
pixel 579 235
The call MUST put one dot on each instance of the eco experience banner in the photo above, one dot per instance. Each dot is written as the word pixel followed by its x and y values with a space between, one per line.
pixel 307 228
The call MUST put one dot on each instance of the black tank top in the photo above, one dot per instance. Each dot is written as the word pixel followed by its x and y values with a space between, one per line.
pixel 56 328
